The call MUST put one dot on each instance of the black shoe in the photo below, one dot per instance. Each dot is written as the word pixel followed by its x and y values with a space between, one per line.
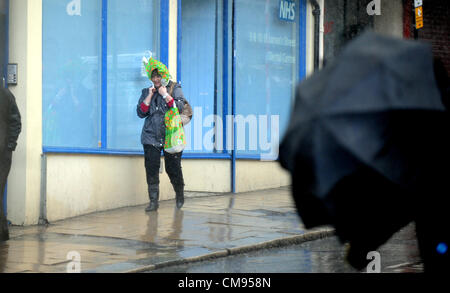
pixel 179 195
pixel 180 201
pixel 153 206
pixel 153 194
pixel 4 233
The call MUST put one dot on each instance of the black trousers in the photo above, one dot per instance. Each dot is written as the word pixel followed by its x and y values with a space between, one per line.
pixel 5 166
pixel 172 164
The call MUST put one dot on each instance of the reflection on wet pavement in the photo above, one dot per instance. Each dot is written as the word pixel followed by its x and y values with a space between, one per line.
pixel 127 238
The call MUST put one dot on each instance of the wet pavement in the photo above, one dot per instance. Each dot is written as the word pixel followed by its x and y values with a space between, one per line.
pixel 128 239
pixel 400 254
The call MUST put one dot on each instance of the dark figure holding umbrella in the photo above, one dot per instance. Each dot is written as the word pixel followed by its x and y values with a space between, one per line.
pixel 368 148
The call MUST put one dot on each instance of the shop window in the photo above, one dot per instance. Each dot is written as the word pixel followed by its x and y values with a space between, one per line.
pixel 71 73
pixel 76 92
pixel 200 77
pixel 266 63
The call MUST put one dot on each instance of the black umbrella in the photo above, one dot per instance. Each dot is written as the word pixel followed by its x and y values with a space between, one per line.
pixel 367 142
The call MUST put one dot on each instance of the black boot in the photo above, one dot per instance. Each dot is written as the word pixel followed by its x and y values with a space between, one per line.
pixel 4 233
pixel 179 195
pixel 153 194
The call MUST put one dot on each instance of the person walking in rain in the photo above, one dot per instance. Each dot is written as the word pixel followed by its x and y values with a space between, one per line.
pixel 10 127
pixel 368 148
pixel 152 105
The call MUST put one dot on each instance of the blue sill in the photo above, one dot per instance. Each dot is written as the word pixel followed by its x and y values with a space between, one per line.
pixel 87 151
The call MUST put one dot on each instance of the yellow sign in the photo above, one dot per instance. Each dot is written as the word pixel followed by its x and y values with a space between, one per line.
pixel 419 24
pixel 419 17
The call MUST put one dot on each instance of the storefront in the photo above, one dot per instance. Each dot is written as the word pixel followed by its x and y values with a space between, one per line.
pixel 80 78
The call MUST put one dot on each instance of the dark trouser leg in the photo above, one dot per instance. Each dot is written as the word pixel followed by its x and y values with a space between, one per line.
pixel 152 157
pixel 173 169
pixel 5 166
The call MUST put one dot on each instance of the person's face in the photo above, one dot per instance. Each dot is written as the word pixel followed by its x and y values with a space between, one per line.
pixel 156 79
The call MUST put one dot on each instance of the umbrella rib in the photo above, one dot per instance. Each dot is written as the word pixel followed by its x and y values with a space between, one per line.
pixel 339 141
pixel 347 152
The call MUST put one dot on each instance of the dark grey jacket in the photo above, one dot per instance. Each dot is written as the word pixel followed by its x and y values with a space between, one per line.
pixel 10 121
pixel 154 130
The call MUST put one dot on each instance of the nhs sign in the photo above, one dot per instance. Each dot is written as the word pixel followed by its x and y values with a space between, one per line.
pixel 287 10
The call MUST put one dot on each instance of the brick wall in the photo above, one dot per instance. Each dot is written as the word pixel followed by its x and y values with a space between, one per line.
pixel 436 28
pixel 407 19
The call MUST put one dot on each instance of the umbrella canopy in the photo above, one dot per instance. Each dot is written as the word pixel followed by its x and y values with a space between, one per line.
pixel 366 137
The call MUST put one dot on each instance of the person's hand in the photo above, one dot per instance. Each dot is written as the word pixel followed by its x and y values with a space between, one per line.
pixel 151 91
pixel 162 91
pixel 168 99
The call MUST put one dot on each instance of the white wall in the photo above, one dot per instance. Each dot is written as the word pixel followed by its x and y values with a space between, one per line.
pixel 309 39
pixel 25 49
pixel 310 36
pixel 390 22
pixel 80 184
pixel 173 31
pixel 258 175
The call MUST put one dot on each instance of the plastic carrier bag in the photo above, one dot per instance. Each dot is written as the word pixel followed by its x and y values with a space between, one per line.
pixel 175 140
